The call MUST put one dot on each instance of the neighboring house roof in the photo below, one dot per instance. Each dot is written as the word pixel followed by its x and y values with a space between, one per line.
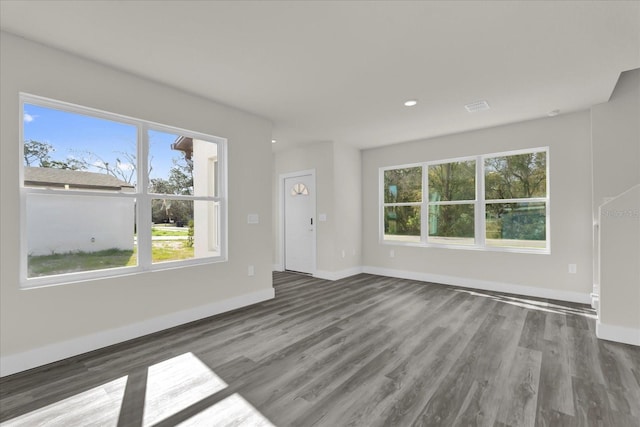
pixel 52 177
pixel 184 144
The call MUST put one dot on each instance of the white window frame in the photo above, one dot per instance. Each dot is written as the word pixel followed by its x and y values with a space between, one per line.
pixel 385 205
pixel 425 172
pixel 479 205
pixel 141 194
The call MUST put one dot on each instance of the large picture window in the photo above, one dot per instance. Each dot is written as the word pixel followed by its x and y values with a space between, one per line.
pixel 496 201
pixel 105 195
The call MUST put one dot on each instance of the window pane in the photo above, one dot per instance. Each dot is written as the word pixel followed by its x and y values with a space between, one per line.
pixel 452 181
pixel 182 165
pixel 74 151
pixel 402 223
pixel 68 233
pixel 452 224
pixel 184 229
pixel 518 225
pixel 403 185
pixel 519 176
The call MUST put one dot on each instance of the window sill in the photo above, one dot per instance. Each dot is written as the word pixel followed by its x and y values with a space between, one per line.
pixel 97 275
pixel 541 251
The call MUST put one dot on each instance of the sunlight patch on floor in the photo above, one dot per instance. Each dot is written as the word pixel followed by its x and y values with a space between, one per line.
pixel 176 384
pixel 101 405
pixel 536 305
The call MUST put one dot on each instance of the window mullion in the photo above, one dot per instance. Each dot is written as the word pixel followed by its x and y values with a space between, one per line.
pixel 424 210
pixel 519 200
pixel 403 204
pixel 381 206
pixel 480 222
pixel 453 202
pixel 143 222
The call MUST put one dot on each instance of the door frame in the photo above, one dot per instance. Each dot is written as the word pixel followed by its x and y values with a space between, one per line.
pixel 281 205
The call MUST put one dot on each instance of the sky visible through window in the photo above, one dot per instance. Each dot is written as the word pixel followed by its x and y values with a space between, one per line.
pixel 95 141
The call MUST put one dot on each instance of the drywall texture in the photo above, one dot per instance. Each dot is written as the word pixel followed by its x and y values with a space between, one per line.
pixel 619 267
pixel 616 169
pixel 567 137
pixel 348 207
pixel 615 140
pixel 34 318
pixel 338 187
pixel 318 157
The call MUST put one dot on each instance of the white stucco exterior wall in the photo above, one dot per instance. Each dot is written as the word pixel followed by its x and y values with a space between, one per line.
pixel 206 218
pixel 67 223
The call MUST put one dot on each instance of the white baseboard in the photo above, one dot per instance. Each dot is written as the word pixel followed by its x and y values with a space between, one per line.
pixel 277 267
pixel 486 285
pixel 618 333
pixel 337 275
pixel 54 352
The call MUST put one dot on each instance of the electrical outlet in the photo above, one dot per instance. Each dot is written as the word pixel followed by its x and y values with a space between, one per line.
pixel 392 253
pixel 251 270
pixel 573 268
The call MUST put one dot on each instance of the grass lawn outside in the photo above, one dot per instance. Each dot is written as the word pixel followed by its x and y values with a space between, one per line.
pixel 170 250
pixel 46 265
pixel 161 231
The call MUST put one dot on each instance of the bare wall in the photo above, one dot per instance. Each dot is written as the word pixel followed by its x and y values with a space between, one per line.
pixel 319 157
pixel 616 169
pixel 567 137
pixel 615 140
pixel 40 318
pixel 338 189
pixel 348 208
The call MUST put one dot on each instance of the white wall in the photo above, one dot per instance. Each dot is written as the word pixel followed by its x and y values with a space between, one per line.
pixel 619 313
pixel 45 324
pixel 567 137
pixel 317 156
pixel 348 209
pixel 67 224
pixel 615 142
pixel 338 188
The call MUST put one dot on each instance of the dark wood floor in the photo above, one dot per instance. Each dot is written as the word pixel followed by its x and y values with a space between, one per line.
pixel 363 351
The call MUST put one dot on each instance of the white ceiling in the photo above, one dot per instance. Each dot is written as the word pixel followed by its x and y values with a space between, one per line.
pixel 340 71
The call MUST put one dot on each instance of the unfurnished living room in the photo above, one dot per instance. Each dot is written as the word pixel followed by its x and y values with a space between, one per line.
pixel 320 213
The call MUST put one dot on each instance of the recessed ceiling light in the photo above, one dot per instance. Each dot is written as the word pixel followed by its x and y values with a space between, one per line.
pixel 273 141
pixel 477 106
pixel 553 113
pixel 410 102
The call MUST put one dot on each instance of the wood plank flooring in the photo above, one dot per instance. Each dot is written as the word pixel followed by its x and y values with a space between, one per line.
pixel 363 351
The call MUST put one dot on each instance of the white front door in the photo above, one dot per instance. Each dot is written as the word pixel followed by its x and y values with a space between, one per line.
pixel 299 223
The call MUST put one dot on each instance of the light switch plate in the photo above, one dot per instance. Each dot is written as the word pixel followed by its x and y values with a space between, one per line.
pixel 253 219
pixel 322 217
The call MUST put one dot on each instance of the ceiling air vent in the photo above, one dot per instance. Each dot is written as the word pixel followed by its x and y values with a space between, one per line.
pixel 477 106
